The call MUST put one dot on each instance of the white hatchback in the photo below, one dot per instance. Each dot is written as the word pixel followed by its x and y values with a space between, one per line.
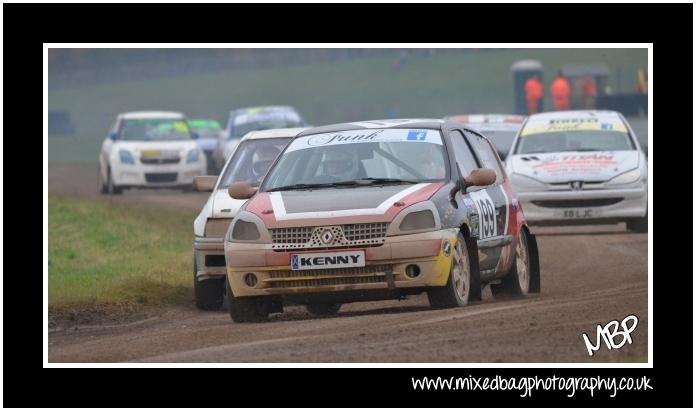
pixel 149 149
pixel 580 167
pixel 250 161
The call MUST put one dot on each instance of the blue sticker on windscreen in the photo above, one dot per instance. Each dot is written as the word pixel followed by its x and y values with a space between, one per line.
pixel 416 135
pixel 606 126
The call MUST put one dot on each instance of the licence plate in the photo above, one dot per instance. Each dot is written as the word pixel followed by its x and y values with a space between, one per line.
pixel 573 213
pixel 319 261
pixel 150 153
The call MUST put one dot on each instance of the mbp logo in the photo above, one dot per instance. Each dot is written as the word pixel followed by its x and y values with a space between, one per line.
pixel 610 332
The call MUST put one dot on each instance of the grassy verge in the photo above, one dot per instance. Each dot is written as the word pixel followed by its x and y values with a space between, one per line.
pixel 115 255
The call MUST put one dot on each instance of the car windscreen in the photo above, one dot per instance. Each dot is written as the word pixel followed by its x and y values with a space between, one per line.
pixel 205 128
pixel 246 122
pixel 581 140
pixel 377 154
pixel 153 129
pixel 251 160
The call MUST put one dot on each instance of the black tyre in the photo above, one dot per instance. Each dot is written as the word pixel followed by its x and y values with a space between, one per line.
pixel 247 309
pixel 638 225
pixel 323 308
pixel 524 278
pixel 464 283
pixel 103 188
pixel 209 293
pixel 111 187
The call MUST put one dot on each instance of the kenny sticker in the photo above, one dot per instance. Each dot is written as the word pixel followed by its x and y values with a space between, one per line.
pixel 320 261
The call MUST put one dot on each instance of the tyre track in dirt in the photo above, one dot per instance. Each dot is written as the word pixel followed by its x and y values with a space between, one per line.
pixel 590 276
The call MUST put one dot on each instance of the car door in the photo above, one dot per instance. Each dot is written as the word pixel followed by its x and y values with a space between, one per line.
pixel 490 204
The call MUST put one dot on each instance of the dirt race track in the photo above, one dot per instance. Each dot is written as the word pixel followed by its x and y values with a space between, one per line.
pixel 589 276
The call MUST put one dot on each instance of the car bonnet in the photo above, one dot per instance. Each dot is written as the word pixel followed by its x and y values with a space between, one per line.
pixel 572 166
pixel 328 206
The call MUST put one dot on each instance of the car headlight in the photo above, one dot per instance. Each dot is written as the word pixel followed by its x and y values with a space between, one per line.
pixel 245 231
pixel 126 157
pixel 524 183
pixel 625 178
pixel 193 155
pixel 417 218
pixel 248 227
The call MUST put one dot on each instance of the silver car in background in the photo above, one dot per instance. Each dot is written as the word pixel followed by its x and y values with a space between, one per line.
pixel 580 167
pixel 250 161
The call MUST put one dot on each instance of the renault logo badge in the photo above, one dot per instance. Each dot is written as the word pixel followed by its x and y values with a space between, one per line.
pixel 327 237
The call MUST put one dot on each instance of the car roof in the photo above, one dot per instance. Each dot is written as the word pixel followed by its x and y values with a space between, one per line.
pixel 132 115
pixel 487 118
pixel 264 108
pixel 273 133
pixel 430 123
pixel 575 114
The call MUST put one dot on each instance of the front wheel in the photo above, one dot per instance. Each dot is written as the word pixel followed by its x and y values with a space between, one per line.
pixel 209 293
pixel 463 284
pixel 638 225
pixel 251 309
pixel 112 188
pixel 103 188
pixel 524 276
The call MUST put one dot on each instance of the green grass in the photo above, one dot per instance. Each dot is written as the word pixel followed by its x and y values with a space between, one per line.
pixel 114 254
pixel 446 83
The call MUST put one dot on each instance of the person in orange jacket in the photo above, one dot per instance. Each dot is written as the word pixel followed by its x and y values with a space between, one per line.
pixel 589 92
pixel 534 91
pixel 560 90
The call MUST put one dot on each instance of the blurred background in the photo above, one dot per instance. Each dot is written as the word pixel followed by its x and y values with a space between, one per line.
pixel 88 87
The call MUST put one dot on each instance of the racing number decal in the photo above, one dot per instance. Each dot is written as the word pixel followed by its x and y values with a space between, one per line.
pixel 488 226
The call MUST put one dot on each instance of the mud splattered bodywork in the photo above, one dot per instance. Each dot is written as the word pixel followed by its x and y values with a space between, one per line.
pixel 372 238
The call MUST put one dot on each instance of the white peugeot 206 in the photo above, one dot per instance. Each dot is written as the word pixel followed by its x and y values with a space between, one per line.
pixel 249 161
pixel 149 149
pixel 580 167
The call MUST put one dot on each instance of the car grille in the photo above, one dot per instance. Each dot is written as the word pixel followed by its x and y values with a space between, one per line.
pixel 160 177
pixel 348 235
pixel 216 227
pixel 174 160
pixel 356 232
pixel 334 276
pixel 597 202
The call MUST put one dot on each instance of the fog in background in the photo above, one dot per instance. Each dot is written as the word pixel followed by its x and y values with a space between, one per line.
pixel 326 85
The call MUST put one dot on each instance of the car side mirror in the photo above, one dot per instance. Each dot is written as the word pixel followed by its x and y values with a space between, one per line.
pixel 204 183
pixel 241 190
pixel 477 177
pixel 502 155
pixel 113 135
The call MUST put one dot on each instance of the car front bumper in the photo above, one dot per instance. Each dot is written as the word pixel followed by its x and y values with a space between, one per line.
pixel 385 267
pixel 157 175
pixel 210 257
pixel 589 205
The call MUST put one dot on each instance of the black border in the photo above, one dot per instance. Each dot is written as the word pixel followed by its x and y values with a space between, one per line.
pixel 27 26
